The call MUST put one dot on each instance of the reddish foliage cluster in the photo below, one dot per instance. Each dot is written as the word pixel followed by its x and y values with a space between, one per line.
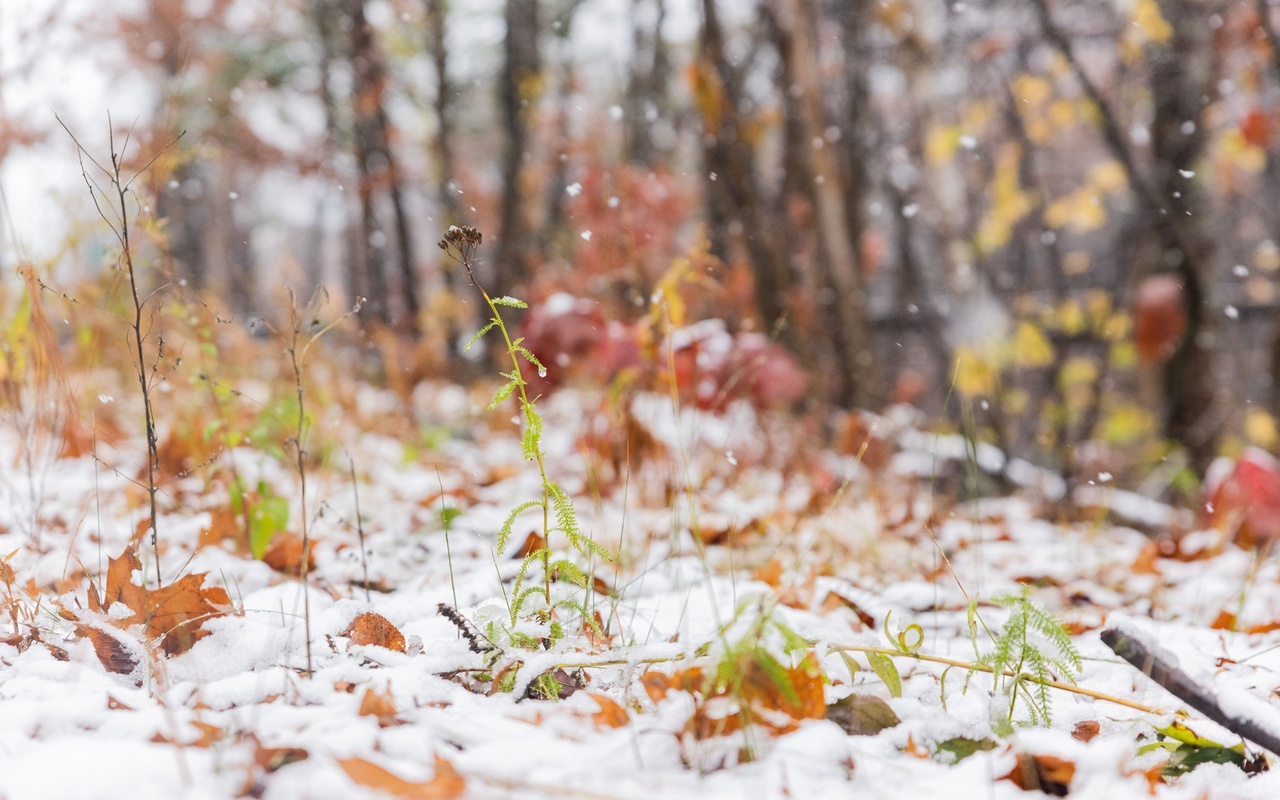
pixel 1160 320
pixel 1244 498
pixel 710 366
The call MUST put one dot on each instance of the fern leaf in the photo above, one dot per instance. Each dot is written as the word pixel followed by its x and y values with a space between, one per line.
pixel 504 533
pixel 476 336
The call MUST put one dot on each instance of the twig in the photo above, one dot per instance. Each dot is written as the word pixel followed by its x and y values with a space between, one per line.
pixel 1178 683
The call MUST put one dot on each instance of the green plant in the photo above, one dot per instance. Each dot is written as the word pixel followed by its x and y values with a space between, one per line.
pixel 1030 648
pixel 305 329
pixel 461 244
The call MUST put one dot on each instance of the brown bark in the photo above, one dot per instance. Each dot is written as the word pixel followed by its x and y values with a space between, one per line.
pixel 522 64
pixel 378 175
pixel 1183 71
pixel 837 199
pixel 732 193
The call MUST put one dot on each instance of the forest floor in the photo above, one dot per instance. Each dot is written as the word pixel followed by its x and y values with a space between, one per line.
pixel 775 620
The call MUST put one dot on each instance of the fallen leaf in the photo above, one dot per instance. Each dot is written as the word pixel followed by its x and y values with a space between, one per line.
pixel 1146 562
pixel 115 705
pixel 1048 774
pixel 446 784
pixel 610 715
pixel 273 758
pixel 1225 621
pixel 770 573
pixel 285 555
pixel 382 706
pixel 532 544
pixel 862 714
pixel 173 613
pixel 113 653
pixel 1085 730
pixel 370 628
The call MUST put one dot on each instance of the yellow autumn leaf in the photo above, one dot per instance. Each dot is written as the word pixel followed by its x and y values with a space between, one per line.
pixel 1031 90
pixel 1108 177
pixel 1150 23
pixel 1081 211
pixel 1009 203
pixel 1031 348
pixel 1236 151
pixel 1127 424
pixel 941 144
pixel 1260 428
pixel 975 375
pixel 1071 318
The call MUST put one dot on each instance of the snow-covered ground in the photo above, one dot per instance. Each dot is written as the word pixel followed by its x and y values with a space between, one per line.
pixel 802 543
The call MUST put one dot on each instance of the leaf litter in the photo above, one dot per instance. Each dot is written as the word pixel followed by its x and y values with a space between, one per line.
pixel 751 657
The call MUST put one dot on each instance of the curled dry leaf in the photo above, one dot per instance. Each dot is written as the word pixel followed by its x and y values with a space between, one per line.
pixel 112 652
pixel 370 628
pixel 446 784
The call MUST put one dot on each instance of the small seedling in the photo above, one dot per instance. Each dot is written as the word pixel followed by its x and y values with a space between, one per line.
pixel 461 244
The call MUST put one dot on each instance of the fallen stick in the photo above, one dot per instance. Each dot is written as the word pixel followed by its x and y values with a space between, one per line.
pixel 1162 668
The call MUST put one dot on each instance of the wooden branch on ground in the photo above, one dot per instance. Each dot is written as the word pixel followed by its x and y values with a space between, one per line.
pixel 1160 668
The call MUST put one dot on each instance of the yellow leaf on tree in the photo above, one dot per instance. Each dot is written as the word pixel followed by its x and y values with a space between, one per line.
pixel 1260 428
pixel 1009 203
pixel 1236 151
pixel 1071 318
pixel 1031 90
pixel 1108 177
pixel 1081 211
pixel 941 144
pixel 1152 25
pixel 975 375
pixel 1031 348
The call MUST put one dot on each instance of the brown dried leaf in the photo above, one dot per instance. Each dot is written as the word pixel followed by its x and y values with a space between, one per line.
pixel 273 758
pixel 532 544
pixel 285 555
pixel 1085 730
pixel 370 628
pixel 382 706
pixel 1048 774
pixel 173 613
pixel 113 654
pixel 446 784
pixel 610 715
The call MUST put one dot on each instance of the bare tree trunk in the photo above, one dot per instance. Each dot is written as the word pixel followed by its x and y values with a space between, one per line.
pixel 646 83
pixel 837 197
pixel 732 193
pixel 1183 72
pixel 517 90
pixel 377 167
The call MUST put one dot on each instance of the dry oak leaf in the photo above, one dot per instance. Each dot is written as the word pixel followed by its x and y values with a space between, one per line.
pixel 172 613
pixel 273 758
pixel 446 785
pixel 112 652
pixel 371 628
pixel 1049 774
pixel 1086 729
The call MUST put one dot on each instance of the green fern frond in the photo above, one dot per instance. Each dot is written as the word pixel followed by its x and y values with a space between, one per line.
pixel 503 394
pixel 569 572
pixel 504 533
pixel 531 439
pixel 493 323
pixel 511 302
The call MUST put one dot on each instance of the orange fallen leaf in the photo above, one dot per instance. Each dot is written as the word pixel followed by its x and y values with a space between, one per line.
pixel 1048 774
pixel 375 629
pixel 610 715
pixel 532 544
pixel 173 613
pixel 1225 621
pixel 1146 562
pixel 770 573
pixel 273 758
pixel 446 784
pixel 382 706
pixel 285 555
